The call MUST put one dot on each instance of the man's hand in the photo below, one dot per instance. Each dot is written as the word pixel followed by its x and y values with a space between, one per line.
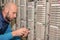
pixel 21 32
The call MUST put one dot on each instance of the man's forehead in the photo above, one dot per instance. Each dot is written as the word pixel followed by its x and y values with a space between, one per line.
pixel 13 9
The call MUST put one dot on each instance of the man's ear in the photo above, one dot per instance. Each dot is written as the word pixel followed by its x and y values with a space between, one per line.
pixel 8 13
pixel 6 10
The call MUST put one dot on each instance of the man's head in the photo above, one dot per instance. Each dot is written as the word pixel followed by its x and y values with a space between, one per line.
pixel 9 11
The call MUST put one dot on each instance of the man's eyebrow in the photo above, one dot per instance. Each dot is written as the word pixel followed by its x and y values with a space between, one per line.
pixel 14 12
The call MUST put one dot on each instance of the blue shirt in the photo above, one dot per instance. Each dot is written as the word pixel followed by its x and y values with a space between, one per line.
pixel 5 30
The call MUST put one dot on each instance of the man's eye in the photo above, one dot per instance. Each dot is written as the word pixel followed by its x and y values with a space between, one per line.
pixel 14 12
